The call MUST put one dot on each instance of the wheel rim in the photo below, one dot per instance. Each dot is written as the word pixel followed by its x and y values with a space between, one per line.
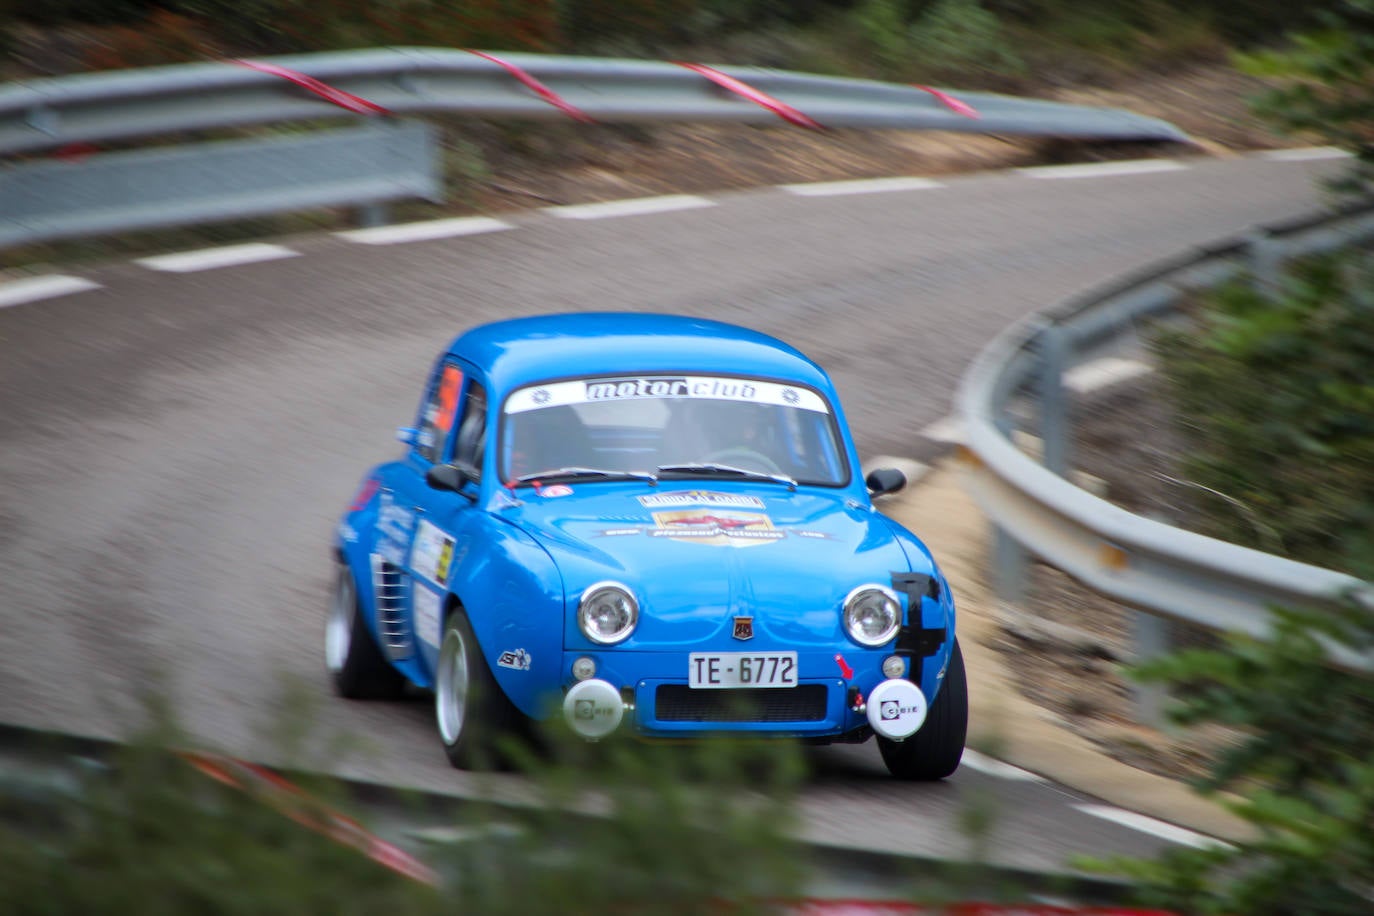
pixel 338 631
pixel 451 686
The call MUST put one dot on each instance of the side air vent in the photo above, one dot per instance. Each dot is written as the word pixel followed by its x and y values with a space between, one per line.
pixel 389 586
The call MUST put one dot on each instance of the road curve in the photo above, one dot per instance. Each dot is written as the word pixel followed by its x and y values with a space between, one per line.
pixel 175 444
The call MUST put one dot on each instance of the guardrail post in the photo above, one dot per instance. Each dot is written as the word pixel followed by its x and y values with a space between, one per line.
pixel 1151 636
pixel 370 216
pixel 1266 257
pixel 1054 407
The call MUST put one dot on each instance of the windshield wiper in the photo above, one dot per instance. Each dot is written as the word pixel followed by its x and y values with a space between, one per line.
pixel 575 472
pixel 707 468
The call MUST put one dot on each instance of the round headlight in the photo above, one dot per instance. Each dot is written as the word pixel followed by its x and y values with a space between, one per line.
pixel 607 613
pixel 871 615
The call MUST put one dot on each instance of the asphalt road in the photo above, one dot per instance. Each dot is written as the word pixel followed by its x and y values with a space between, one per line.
pixel 175 447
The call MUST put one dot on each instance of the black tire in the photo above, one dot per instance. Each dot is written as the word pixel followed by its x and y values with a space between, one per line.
pixel 934 751
pixel 355 664
pixel 470 709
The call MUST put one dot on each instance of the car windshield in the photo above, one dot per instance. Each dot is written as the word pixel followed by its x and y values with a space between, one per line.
pixel 672 426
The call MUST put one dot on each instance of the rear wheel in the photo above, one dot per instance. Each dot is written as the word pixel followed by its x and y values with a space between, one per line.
pixel 355 665
pixel 934 751
pixel 470 708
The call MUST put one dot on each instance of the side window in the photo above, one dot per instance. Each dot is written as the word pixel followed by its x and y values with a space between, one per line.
pixel 472 429
pixel 437 419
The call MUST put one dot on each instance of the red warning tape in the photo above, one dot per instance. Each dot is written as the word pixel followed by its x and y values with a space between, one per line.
pixel 781 109
pixel 292 802
pixel 538 88
pixel 346 100
pixel 951 102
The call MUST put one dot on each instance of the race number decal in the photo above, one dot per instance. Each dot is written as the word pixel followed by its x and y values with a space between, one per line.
pixel 432 554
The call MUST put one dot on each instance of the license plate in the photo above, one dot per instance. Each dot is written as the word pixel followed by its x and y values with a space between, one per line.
pixel 742 669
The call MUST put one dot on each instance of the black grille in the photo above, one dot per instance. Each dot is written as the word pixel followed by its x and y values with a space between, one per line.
pixel 680 703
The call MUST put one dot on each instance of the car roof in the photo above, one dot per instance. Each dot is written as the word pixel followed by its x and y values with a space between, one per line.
pixel 522 351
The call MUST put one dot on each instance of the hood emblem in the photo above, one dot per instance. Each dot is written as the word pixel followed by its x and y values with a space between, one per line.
pixel 744 628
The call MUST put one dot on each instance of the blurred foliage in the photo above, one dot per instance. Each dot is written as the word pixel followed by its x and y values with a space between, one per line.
pixel 658 829
pixel 958 40
pixel 1276 397
pixel 949 36
pixel 1326 90
pixel 1303 771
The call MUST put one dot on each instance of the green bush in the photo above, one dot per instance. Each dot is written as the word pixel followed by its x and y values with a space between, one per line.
pixel 1276 397
pixel 1326 90
pixel 1303 771
pixel 947 38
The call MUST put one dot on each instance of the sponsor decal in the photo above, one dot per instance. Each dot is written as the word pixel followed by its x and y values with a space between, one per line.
pixel 432 554
pixel 347 534
pixel 588 710
pixel 392 552
pixel 664 387
pixel 518 660
pixel 556 491
pixel 700 498
pixel 744 628
pixel 892 710
pixel 621 532
pixel 365 493
pixel 426 615
pixel 615 389
pixel 717 528
pixel 393 521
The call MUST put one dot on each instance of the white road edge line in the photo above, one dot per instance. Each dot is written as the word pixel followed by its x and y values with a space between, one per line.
pixel 1165 831
pixel 423 231
pixel 1305 154
pixel 950 429
pixel 990 766
pixel 35 289
pixel 1104 372
pixel 1102 169
pixel 210 258
pixel 860 186
pixel 634 206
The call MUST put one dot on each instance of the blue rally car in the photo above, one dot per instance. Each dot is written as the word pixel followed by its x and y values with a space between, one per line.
pixel 645 524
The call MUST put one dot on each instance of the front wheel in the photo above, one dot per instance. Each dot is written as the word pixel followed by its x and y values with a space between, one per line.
pixel 469 706
pixel 934 751
pixel 355 664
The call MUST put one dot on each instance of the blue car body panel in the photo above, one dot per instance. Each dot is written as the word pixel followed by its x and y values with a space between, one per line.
pixel 698 552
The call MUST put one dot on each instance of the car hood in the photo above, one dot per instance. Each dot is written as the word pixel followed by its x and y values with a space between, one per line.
pixel 697 559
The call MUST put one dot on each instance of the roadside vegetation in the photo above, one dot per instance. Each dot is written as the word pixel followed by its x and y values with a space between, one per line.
pixel 1273 389
pixel 999 42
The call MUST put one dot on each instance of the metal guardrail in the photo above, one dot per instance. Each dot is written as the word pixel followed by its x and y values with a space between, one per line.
pixel 1167 572
pixel 107 192
pixel 118 105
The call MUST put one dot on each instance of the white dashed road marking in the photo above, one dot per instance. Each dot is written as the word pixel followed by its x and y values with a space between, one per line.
pixel 989 766
pixel 1102 373
pixel 34 289
pixel 637 206
pixel 1103 169
pixel 861 186
pixel 1306 154
pixel 950 429
pixel 424 231
pixel 1161 829
pixel 186 262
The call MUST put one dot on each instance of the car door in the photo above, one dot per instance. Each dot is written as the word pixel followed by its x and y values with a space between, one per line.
pixel 452 429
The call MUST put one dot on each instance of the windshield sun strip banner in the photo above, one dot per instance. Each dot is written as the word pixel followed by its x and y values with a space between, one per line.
pixel 665 387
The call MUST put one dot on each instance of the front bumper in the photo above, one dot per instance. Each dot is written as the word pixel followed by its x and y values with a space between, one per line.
pixel 648 693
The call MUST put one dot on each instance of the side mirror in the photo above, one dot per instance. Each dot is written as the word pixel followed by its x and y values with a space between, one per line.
pixel 883 481
pixel 446 477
